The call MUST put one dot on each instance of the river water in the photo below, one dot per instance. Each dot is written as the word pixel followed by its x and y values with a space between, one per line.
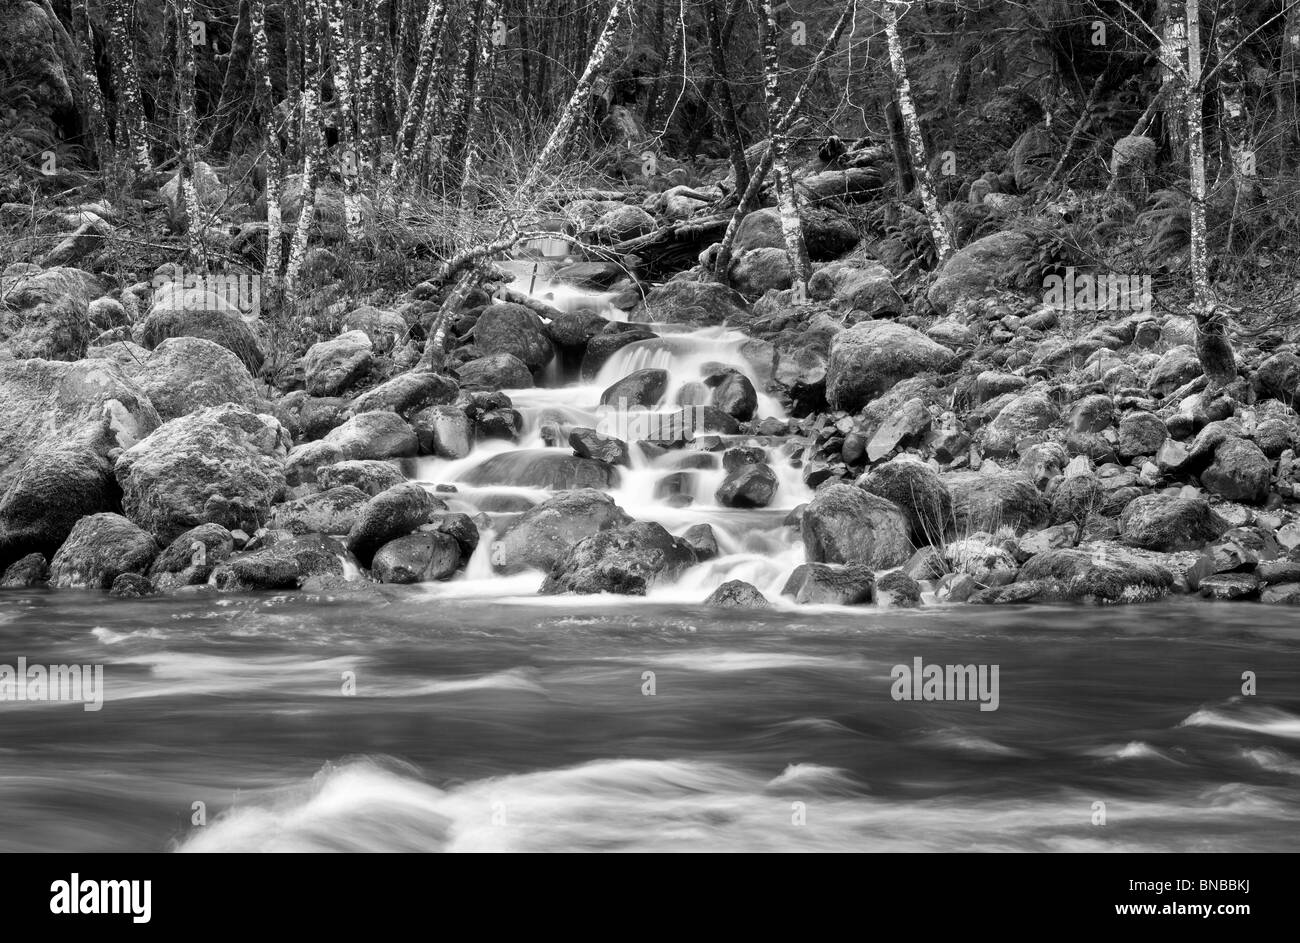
pixel 473 715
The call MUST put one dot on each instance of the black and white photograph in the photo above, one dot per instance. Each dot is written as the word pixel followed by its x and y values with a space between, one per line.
pixel 653 426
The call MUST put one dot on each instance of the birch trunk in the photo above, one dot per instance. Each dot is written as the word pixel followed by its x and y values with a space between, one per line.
pixel 83 36
pixel 474 102
pixel 1234 120
pixel 236 71
pixel 749 199
pixel 912 127
pixel 791 224
pixel 416 115
pixel 578 100
pixel 342 60
pixel 313 143
pixel 185 115
pixel 1173 78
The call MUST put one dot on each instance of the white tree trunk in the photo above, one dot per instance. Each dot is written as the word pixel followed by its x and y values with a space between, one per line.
pixel 185 116
pixel 791 225
pixel 578 100
pixel 130 110
pixel 274 160
pixel 1193 104
pixel 415 114
pixel 342 60
pixel 1173 58
pixel 313 143
pixel 915 143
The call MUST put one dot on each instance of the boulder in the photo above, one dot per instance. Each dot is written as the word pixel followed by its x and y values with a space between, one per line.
pixel 368 475
pixel 190 559
pixel 505 328
pixel 45 314
pixel 27 572
pixel 1101 575
pixel 844 524
pixel 495 372
pixel 1025 416
pixel 99 549
pixel 627 560
pixel 687 302
pixel 857 286
pixel 417 558
pixel 334 366
pixel 388 515
pixel 1168 522
pixel 286 564
pixel 444 431
pixel 1240 472
pixel 196 312
pixel 538 468
pixel 980 267
pixel 222 465
pixel 869 358
pixel 373 435
pixel 544 534
pixel 987 501
pixel 749 486
pixel 185 374
pixel 821 584
pixel 921 493
pixel 737 594
pixel 642 388
pixel 332 511
pixel 407 393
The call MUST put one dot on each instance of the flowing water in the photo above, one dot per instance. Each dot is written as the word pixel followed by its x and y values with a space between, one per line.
pixel 473 715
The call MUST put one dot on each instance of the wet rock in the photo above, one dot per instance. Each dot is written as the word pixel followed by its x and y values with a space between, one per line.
pixel 370 476
pixel 821 584
pixel 505 328
pixel 978 556
pixel 734 394
pixel 844 524
pixel 701 539
pixel 871 357
pixel 334 366
pixel 543 535
pixel 418 558
pixel 444 431
pixel 1103 575
pixel 643 388
pixel 687 302
pixel 542 469
pixel 388 515
pixel 588 443
pixel 737 594
pixel 132 586
pixel 99 549
pixel 286 564
pixel 749 486
pixel 27 572
pixel 626 561
pixel 1230 586
pixel 1167 522
pixel 222 465
pixel 190 559
pixel 495 372
pixel 604 345
pixel 460 527
pixel 1281 594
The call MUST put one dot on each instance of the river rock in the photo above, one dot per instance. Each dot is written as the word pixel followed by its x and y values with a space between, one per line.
pixel 1240 472
pixel 444 431
pixel 920 491
pixel 373 435
pixel 897 590
pixel 407 393
pixel 858 286
pixel 370 476
pixel 588 443
pixel 749 486
pixel 844 524
pixel 627 561
pixel 285 564
pixel 870 357
pixel 543 535
pixel 536 468
pixel 821 584
pixel 190 559
pixel 332 511
pixel 185 374
pixel 196 312
pixel 417 558
pixel 223 465
pixel 388 515
pixel 330 367
pixel 1168 522
pixel 734 394
pixel 705 544
pixel 1140 433
pixel 737 594
pixel 27 572
pixel 100 547
pixel 644 388
pixel 1106 574
pixel 45 314
pixel 979 267
pixel 603 346
pixel 687 302
pixel 495 372
pixel 989 500
pixel 1023 417
pixel 505 328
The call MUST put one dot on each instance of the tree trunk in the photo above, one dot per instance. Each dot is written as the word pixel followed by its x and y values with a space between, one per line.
pixel 915 142
pixel 237 69
pixel 791 224
pixel 474 102
pixel 274 160
pixel 1234 120
pixel 735 143
pixel 83 38
pixel 1173 55
pixel 313 133
pixel 130 109
pixel 185 115
pixel 415 116
pixel 666 89
pixel 343 88
pixel 578 100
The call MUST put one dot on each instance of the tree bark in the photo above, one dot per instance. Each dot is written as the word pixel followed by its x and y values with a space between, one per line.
pixel 791 224
pixel 313 134
pixel 915 142
pixel 130 108
pixel 274 159
pixel 731 126
pixel 416 115
pixel 185 115
pixel 343 88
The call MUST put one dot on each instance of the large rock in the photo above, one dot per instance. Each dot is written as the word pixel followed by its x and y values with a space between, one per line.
pixel 737 594
pixel 626 561
pixel 983 265
pixel 544 534
pixel 1167 522
pixel 855 286
pixel 505 328
pixel 444 431
pixel 46 314
pixel 749 486
pixel 640 388
pixel 870 357
pixel 734 394
pixel 820 584
pixel 1240 471
pixel 373 435
pixel 196 312
pixel 60 423
pixel 368 475
pixel 417 558
pixel 333 366
pixel 408 393
pixel 1023 417
pixel 332 511
pixel 1178 366
pixel 984 501
pixel 100 548
pixel 758 271
pixel 495 372
pixel 35 44
pixel 827 234
pixel 190 559
pixel 686 302
pixel 1104 575
pixel 185 374
pixel 388 515
pixel 844 524
pixel 285 564
pixel 920 491
pixel 540 468
pixel 223 465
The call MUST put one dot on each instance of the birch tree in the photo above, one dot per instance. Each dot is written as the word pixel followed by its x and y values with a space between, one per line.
pixel 415 115
pixel 912 128
pixel 274 160
pixel 341 59
pixel 1234 120
pixel 83 37
pixel 130 108
pixel 185 115
pixel 578 100
pixel 791 224
pixel 313 135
